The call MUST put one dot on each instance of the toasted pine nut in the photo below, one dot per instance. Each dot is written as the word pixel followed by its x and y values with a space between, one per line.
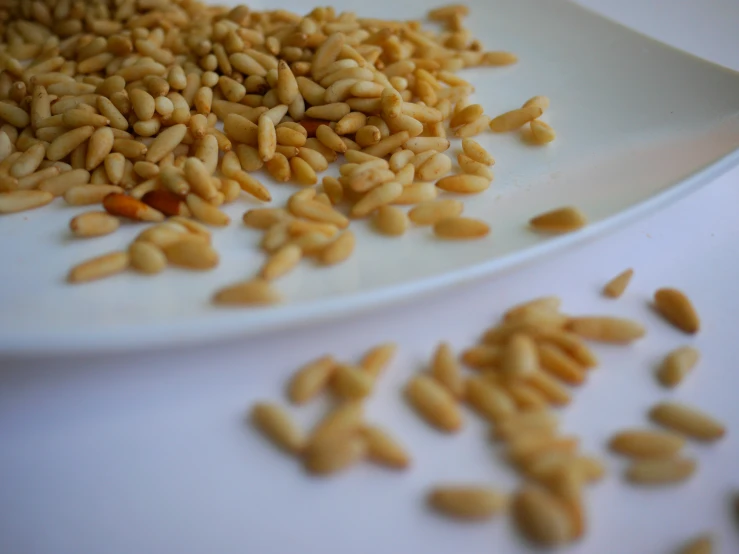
pixel 131 208
pixel 476 152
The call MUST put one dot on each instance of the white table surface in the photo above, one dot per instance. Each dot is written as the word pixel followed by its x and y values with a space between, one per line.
pixel 149 453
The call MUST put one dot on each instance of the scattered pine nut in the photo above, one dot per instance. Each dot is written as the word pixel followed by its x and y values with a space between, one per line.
pixel 676 308
pixel 383 449
pixel 93 224
pixel 278 426
pixel 99 267
pixel 461 228
pixel 538 101
pixel 463 183
pixel 467 502
pixel 432 211
pixel 677 364
pixel 434 403
pixel 311 379
pixel 520 358
pixel 687 421
pixel 146 257
pixel 256 292
pixel 22 200
pixel 561 220
pixel 541 132
pixel 616 286
pixel 351 383
pixel 541 517
pixel 445 370
pixel 510 121
pixel 391 221
pixel 377 358
pixel 476 152
pixel 606 329
pixel 661 471
pixel 345 419
pixel 646 444
pixel 334 454
pixel 489 400
pixel 281 262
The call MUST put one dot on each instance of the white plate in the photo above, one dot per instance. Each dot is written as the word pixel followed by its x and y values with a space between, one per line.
pixel 639 124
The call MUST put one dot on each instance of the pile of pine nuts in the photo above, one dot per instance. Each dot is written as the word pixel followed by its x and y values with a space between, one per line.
pixel 522 369
pixel 161 111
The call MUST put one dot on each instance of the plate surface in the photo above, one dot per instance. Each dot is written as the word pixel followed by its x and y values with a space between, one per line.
pixel 639 124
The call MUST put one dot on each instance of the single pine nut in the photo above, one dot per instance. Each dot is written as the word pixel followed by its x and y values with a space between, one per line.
pixel 99 267
pixel 677 364
pixel 676 308
pixel 616 286
pixel 93 224
pixel 445 370
pixel 561 220
pixel 146 257
pixel 468 502
pixel 661 472
pixel 514 119
pixel 461 228
pixel 249 293
pixel 688 421
pixel 383 449
pixel 646 444
pixel 390 221
pixel 434 403
pixel 278 426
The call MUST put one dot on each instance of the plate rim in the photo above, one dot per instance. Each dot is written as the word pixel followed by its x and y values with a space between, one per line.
pixel 321 311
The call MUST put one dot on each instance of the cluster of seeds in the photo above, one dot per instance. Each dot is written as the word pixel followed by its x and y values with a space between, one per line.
pixel 342 437
pixel 161 111
pixel 521 372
